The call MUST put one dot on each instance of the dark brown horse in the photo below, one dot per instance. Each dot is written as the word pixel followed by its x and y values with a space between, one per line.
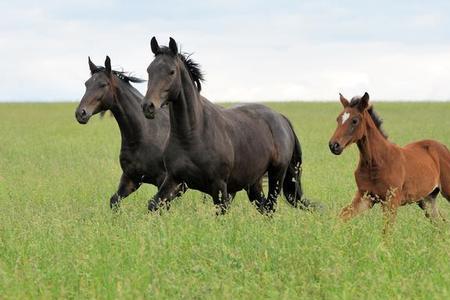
pixel 387 173
pixel 142 139
pixel 215 150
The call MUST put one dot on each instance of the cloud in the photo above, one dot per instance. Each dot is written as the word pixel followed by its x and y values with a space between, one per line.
pixel 249 51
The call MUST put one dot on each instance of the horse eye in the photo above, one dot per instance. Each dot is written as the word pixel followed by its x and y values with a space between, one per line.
pixel 355 121
pixel 172 72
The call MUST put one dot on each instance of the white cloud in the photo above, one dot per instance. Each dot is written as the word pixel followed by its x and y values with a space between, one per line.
pixel 313 53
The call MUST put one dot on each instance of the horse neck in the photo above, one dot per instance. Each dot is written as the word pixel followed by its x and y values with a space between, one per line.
pixel 186 110
pixel 373 146
pixel 128 113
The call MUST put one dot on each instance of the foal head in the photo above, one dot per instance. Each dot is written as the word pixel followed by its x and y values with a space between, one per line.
pixel 164 76
pixel 100 90
pixel 351 122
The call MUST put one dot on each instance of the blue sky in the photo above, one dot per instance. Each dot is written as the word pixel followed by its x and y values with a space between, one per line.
pixel 249 51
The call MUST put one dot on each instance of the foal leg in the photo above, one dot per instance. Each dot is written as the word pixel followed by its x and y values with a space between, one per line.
pixel 169 190
pixel 390 206
pixel 276 177
pixel 429 205
pixel 126 187
pixel 359 204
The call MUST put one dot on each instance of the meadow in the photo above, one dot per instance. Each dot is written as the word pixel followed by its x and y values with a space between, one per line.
pixel 59 239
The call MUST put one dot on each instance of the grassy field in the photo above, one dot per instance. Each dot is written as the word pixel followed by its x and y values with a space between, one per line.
pixel 59 239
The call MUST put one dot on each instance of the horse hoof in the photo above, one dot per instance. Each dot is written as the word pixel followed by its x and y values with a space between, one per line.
pixel 152 207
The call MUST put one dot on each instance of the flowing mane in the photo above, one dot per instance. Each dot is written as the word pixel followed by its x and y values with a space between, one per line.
pixel 375 118
pixel 124 76
pixel 192 67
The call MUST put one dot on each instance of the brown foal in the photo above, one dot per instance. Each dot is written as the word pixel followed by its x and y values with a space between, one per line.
pixel 387 173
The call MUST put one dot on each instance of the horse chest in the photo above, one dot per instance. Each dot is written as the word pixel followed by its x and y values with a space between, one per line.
pixel 131 163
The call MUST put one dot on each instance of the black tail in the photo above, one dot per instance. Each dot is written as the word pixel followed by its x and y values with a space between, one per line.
pixel 292 185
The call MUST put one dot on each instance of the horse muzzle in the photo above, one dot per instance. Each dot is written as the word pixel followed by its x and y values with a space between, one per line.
pixel 149 110
pixel 82 115
pixel 335 148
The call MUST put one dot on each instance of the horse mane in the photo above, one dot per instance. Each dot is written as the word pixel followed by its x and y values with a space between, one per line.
pixel 124 76
pixel 373 114
pixel 192 67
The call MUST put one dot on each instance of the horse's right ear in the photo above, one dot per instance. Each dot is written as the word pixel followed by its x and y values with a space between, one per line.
pixel 108 69
pixel 154 45
pixel 364 102
pixel 344 101
pixel 92 66
pixel 173 46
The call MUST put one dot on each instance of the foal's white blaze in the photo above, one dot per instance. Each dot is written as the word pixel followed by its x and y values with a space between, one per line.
pixel 345 117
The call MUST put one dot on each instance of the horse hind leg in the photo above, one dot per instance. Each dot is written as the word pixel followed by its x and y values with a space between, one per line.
pixel 276 176
pixel 221 197
pixel 255 193
pixel 429 205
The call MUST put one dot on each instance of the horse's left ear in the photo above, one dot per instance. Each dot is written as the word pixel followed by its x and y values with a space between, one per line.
pixel 364 102
pixel 173 46
pixel 343 100
pixel 108 65
pixel 92 66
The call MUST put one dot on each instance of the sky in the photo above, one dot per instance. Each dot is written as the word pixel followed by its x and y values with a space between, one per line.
pixel 248 50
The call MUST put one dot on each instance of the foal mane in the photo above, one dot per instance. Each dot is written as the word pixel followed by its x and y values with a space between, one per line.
pixel 375 117
pixel 192 67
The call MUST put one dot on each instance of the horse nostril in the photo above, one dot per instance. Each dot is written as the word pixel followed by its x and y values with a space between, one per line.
pixel 83 113
pixel 334 146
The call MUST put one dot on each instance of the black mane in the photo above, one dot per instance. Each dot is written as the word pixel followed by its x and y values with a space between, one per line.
pixel 375 118
pixel 192 67
pixel 124 76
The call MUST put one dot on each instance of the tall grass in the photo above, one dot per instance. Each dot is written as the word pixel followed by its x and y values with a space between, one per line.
pixel 58 238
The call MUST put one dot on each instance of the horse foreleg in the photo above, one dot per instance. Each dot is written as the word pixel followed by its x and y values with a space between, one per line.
pixel 390 206
pixel 358 205
pixel 126 187
pixel 169 190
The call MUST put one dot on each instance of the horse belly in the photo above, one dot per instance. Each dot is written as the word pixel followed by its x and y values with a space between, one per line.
pixel 184 169
pixel 249 166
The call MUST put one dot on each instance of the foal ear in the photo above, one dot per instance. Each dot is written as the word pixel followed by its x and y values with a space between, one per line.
pixel 173 46
pixel 344 101
pixel 108 65
pixel 364 102
pixel 92 66
pixel 154 45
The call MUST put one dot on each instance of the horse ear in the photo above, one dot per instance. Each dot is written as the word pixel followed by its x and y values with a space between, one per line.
pixel 108 65
pixel 173 46
pixel 364 102
pixel 344 101
pixel 154 45
pixel 92 66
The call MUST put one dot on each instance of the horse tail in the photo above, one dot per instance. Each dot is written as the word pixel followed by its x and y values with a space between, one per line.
pixel 444 162
pixel 292 186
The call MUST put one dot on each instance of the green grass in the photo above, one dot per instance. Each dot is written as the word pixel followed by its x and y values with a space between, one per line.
pixel 58 238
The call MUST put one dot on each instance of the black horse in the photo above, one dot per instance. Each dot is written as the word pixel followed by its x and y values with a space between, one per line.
pixel 142 140
pixel 215 150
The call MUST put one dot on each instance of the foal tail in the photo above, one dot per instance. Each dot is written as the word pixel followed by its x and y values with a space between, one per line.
pixel 292 185
pixel 444 163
